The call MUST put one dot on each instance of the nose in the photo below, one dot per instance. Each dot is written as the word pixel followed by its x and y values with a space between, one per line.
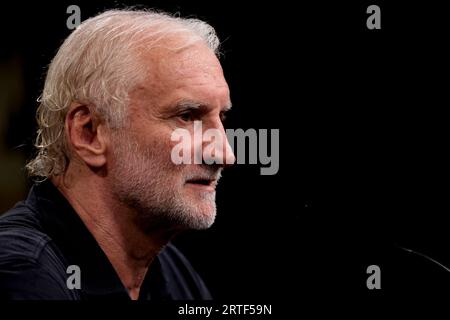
pixel 216 147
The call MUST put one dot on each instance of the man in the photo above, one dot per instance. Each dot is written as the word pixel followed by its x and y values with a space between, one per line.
pixel 99 224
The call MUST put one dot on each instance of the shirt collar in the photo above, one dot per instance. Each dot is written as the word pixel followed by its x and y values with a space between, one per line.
pixel 79 247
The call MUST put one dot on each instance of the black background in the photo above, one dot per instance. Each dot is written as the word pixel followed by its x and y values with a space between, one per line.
pixel 363 149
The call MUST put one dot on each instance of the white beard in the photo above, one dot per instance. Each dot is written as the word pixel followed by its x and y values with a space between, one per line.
pixel 146 180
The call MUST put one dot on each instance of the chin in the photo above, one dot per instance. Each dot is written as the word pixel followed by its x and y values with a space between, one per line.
pixel 201 217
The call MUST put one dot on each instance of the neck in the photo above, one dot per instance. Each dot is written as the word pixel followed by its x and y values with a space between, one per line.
pixel 129 248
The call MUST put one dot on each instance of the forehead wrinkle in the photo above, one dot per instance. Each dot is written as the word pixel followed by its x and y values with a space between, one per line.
pixel 185 72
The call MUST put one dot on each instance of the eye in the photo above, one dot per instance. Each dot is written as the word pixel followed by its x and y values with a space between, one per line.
pixel 223 116
pixel 187 116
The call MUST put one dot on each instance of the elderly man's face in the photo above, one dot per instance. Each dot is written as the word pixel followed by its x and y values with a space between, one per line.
pixel 181 87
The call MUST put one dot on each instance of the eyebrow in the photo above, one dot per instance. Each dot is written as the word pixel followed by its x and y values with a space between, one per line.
pixel 193 105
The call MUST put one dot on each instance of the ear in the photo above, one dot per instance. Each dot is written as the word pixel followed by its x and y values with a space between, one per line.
pixel 86 135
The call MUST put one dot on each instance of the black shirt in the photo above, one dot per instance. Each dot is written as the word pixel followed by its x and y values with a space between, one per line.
pixel 42 236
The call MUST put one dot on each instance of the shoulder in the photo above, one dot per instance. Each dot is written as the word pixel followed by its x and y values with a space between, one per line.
pixel 30 267
pixel 21 235
pixel 181 275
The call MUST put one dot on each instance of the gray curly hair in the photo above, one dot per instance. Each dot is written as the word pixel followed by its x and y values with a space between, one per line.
pixel 98 65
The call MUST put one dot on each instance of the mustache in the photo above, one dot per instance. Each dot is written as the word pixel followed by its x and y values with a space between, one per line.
pixel 205 173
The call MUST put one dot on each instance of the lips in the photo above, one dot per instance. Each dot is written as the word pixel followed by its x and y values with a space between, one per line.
pixel 203 180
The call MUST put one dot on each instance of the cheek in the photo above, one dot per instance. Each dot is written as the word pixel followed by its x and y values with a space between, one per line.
pixel 163 148
pixel 158 142
pixel 161 144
